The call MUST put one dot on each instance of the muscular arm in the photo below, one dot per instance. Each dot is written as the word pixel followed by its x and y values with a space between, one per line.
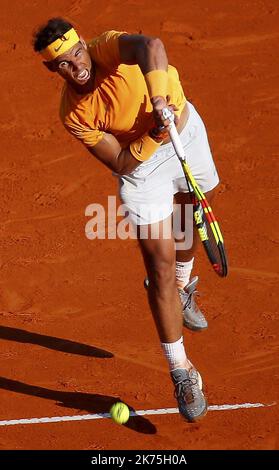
pixel 109 152
pixel 149 54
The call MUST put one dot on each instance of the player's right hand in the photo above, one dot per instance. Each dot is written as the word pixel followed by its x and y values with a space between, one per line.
pixel 159 103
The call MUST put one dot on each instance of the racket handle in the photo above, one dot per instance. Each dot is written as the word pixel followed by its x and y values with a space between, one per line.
pixel 174 136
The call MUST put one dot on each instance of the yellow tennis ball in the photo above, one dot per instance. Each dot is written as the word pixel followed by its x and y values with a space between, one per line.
pixel 120 413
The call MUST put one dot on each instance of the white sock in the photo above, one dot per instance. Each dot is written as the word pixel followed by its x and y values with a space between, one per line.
pixel 175 354
pixel 183 272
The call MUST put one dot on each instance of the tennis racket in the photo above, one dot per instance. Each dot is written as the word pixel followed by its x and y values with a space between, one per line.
pixel 204 219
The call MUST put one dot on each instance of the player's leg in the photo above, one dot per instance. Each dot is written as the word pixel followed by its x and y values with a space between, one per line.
pixel 159 258
pixel 183 200
pixel 199 158
pixel 193 317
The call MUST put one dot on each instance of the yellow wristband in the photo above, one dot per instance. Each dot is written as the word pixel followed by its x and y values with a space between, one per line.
pixel 144 147
pixel 157 83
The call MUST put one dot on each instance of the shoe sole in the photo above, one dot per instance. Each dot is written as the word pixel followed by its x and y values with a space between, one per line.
pixel 192 327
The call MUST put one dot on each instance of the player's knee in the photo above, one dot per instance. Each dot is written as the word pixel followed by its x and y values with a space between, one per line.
pixel 162 272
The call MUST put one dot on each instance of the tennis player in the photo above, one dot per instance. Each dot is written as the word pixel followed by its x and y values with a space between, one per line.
pixel 115 89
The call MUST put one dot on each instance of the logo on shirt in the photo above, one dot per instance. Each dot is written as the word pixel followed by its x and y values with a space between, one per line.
pixel 140 147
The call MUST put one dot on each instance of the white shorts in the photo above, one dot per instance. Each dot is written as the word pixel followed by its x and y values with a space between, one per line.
pixel 147 192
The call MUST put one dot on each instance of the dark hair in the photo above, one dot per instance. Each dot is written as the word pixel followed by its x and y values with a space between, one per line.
pixel 54 29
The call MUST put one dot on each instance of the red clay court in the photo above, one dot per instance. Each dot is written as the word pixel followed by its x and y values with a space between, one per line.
pixel 77 333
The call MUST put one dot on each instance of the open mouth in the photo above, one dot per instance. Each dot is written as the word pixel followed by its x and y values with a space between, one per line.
pixel 83 76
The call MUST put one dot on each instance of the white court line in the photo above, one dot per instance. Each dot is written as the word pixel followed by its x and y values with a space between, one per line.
pixel 162 411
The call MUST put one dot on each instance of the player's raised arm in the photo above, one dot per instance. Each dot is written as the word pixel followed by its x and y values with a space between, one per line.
pixel 150 55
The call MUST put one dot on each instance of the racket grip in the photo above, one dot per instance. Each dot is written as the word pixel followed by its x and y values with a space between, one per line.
pixel 174 136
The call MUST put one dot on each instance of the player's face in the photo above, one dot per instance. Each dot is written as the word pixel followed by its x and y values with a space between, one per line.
pixel 75 66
